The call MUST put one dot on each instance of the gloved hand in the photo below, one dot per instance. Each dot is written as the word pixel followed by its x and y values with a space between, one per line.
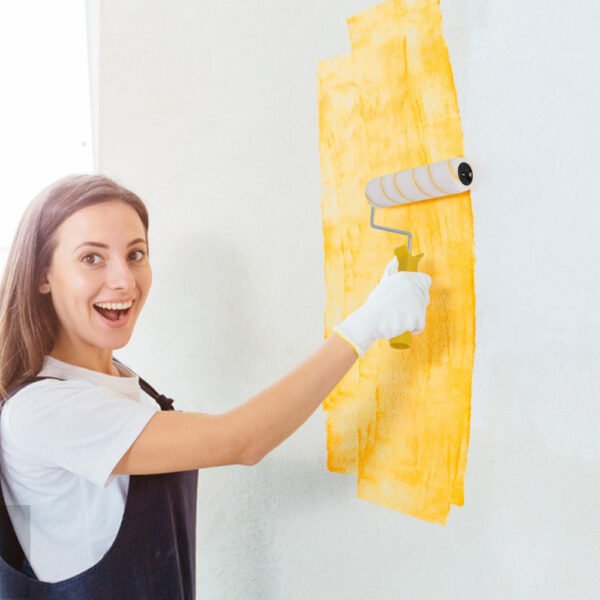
pixel 396 305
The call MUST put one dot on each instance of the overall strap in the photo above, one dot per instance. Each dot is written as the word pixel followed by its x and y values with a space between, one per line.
pixel 165 402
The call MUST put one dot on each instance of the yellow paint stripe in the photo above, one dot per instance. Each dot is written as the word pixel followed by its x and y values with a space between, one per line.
pixel 399 420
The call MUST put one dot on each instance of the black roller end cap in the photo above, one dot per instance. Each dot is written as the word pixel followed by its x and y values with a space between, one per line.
pixel 465 173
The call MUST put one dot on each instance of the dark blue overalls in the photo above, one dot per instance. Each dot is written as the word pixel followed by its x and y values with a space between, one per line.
pixel 152 557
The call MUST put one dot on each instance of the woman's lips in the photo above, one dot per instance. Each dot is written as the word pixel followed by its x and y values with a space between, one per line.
pixel 119 322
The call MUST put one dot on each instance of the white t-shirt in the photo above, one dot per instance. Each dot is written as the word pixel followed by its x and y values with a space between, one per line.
pixel 60 441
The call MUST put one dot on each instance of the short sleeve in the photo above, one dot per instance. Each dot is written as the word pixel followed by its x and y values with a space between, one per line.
pixel 77 425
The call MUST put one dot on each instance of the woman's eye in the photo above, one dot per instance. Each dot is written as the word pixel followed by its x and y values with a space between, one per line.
pixel 86 256
pixel 141 252
pixel 94 263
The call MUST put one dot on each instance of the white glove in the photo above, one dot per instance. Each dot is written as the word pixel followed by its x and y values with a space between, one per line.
pixel 396 305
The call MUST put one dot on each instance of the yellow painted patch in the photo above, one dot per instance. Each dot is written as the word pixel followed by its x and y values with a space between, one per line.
pixel 399 419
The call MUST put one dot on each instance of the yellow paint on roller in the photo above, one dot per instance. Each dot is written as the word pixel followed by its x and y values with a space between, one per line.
pixel 399 419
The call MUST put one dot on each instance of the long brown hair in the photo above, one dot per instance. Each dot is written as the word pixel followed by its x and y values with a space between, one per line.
pixel 28 321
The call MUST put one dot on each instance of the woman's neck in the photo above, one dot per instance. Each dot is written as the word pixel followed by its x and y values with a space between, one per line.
pixel 98 364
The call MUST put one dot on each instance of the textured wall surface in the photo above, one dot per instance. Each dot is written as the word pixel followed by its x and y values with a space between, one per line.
pixel 209 111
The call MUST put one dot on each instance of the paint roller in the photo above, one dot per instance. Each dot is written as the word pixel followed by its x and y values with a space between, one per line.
pixel 436 180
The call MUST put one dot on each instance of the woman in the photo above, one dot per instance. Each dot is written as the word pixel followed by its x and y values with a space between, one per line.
pixel 100 480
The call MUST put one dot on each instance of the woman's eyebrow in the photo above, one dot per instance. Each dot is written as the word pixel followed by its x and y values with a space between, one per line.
pixel 99 245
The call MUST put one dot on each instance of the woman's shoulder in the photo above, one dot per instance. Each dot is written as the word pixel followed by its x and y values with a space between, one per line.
pixel 41 384
pixel 32 401
pixel 42 390
pixel 53 414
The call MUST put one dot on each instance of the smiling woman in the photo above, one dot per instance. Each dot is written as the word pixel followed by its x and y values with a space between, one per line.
pixel 120 278
pixel 86 459
pixel 77 278
pixel 52 251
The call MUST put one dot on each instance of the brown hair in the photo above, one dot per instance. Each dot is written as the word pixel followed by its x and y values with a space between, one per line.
pixel 28 321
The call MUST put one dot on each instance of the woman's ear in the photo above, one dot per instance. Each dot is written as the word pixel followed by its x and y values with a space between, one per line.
pixel 45 285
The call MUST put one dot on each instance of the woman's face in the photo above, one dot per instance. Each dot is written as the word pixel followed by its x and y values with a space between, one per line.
pixel 82 274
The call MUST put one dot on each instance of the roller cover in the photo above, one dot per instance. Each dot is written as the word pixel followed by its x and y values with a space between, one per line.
pixel 413 185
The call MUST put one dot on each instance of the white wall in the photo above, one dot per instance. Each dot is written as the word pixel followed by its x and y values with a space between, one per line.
pixel 208 110
pixel 45 126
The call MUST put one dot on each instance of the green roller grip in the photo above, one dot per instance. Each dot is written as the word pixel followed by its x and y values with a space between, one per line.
pixel 406 262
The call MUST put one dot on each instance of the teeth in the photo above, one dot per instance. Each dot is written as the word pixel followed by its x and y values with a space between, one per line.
pixel 113 306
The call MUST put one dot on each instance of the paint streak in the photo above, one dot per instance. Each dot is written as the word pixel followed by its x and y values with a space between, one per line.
pixel 399 419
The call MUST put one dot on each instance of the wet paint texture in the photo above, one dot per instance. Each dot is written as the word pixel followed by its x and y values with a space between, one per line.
pixel 399 420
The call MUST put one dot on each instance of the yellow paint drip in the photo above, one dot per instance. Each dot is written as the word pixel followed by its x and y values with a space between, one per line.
pixel 399 419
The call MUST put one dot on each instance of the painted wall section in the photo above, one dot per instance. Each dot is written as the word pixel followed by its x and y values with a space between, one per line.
pixel 399 420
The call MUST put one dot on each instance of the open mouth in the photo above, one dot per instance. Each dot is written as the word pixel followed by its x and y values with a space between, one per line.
pixel 113 315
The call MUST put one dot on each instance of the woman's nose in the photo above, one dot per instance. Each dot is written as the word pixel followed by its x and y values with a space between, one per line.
pixel 119 275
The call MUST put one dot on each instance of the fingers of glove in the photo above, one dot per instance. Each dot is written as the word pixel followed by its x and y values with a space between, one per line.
pixel 419 325
pixel 415 321
pixel 390 269
pixel 394 324
pixel 403 287
pixel 423 282
pixel 418 283
pixel 384 287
